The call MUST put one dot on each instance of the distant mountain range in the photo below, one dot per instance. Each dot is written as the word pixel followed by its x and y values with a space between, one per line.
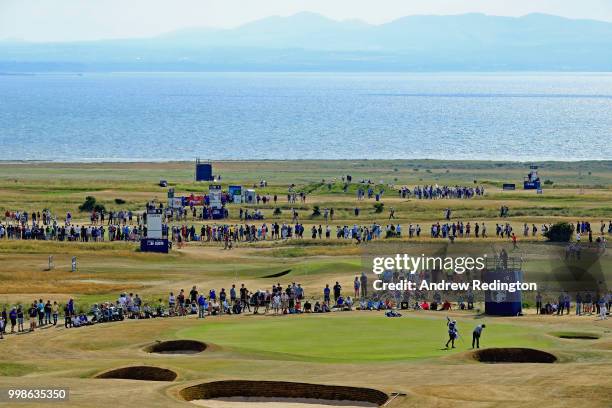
pixel 311 42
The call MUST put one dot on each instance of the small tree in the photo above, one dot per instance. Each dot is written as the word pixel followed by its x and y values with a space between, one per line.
pixel 560 232
pixel 379 207
pixel 277 211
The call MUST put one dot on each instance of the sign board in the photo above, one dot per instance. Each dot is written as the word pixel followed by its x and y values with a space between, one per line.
pixel 195 200
pixel 154 225
pixel 214 196
pixel 154 245
pixel 176 202
pixel 218 213
pixel 250 196
pixel 531 185
pixel 508 186
pixel 500 302
pixel 235 192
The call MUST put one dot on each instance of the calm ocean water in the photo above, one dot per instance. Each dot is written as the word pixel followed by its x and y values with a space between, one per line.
pixel 178 116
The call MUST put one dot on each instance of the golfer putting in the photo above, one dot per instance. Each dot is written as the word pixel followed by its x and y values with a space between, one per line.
pixel 476 335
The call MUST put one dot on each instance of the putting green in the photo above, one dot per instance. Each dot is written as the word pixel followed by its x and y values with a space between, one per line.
pixel 353 337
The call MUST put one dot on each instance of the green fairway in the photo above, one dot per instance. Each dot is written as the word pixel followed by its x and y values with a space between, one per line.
pixel 354 337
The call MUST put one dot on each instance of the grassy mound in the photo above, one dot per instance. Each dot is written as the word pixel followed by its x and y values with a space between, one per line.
pixel 280 389
pixel 513 355
pixel 177 347
pixel 145 373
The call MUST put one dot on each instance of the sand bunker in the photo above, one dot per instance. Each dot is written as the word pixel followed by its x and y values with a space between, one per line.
pixel 145 373
pixel 256 394
pixel 176 347
pixel 261 402
pixel 513 355
pixel 579 336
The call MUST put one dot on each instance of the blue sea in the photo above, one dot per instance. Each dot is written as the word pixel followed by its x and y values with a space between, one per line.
pixel 178 116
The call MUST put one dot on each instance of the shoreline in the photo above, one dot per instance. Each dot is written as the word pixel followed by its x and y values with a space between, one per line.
pixel 428 161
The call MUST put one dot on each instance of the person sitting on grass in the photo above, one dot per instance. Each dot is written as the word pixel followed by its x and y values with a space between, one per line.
pixel 237 308
pixel 307 307
pixel 460 303
pixel 548 308
pixel 159 310
pixel 446 305
pixel 298 306
pixel 83 320
pixel 96 313
pixel 225 307
pixel 348 303
pixel 339 303
pixel 148 313
pixel 317 307
pixel 213 308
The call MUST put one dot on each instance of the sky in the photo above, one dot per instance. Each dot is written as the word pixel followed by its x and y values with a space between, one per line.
pixel 83 20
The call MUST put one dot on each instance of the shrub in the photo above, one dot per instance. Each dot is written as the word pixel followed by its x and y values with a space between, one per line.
pixel 88 204
pixel 379 207
pixel 99 208
pixel 548 182
pixel 316 211
pixel 277 211
pixel 119 201
pixel 560 232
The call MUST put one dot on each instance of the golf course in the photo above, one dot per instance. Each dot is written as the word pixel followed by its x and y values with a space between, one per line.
pixel 128 362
